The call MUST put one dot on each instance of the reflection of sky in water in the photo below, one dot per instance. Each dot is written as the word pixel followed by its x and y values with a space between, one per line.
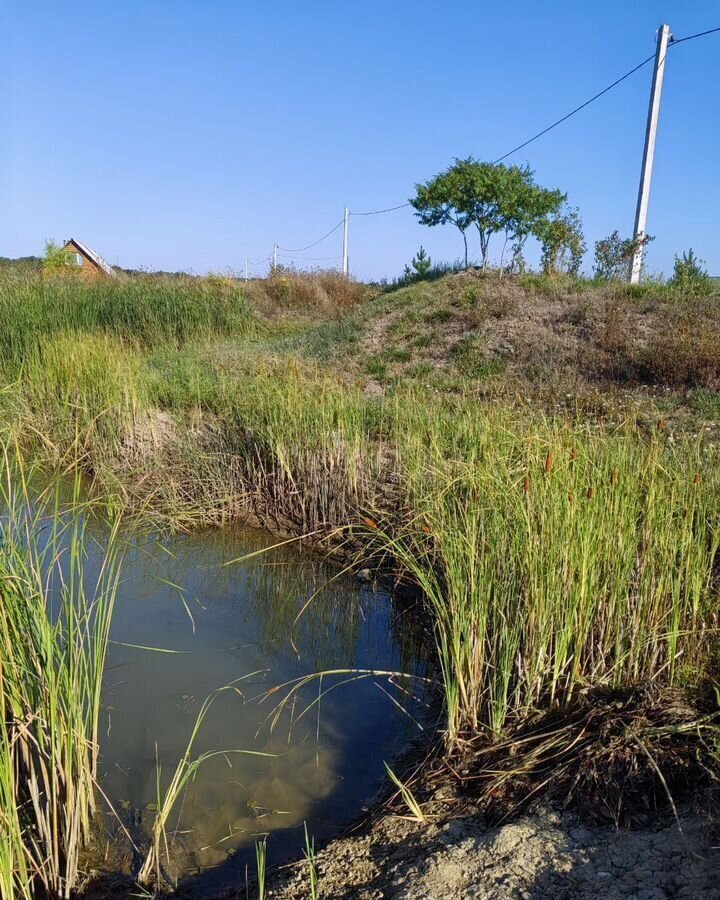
pixel 230 622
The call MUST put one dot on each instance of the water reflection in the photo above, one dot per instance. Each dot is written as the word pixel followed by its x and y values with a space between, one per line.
pixel 212 624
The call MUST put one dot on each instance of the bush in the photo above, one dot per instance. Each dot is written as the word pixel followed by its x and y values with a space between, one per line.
pixel 614 256
pixel 689 276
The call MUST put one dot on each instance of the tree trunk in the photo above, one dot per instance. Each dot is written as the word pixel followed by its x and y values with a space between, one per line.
pixel 502 254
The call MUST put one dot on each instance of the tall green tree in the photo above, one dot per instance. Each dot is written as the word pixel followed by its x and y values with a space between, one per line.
pixel 492 197
pixel 524 207
pixel 439 202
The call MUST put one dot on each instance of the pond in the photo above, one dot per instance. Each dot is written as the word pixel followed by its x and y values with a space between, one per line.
pixel 187 623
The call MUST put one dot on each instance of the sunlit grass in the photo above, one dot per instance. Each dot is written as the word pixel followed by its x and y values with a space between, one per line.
pixel 54 627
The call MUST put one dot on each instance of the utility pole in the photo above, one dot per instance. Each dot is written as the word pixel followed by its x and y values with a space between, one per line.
pixel 663 39
pixel 246 268
pixel 274 256
pixel 346 269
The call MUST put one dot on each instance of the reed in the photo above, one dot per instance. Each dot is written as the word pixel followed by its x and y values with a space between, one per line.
pixel 185 771
pixel 311 859
pixel 552 555
pixel 545 578
pixel 54 627
pixel 143 311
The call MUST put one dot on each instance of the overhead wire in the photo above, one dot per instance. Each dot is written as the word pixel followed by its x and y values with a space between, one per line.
pixel 314 243
pixel 569 115
pixel 576 110
pixel 530 140
pixel 376 212
pixel 691 37
pixel 313 258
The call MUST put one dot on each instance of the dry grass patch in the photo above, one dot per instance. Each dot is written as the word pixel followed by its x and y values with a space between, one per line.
pixel 324 291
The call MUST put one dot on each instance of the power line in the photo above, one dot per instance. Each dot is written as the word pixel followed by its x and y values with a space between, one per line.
pixel 568 115
pixel 313 258
pixel 576 110
pixel 314 243
pixel 530 140
pixel 545 130
pixel 376 212
pixel 691 37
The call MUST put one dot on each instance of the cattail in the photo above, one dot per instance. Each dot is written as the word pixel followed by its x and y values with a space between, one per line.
pixel 571 497
pixel 696 479
pixel 573 454
pixel 548 462
pixel 526 485
pixel 614 477
pixel 590 493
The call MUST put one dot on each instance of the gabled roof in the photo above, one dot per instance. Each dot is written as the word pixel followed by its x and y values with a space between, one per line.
pixel 93 257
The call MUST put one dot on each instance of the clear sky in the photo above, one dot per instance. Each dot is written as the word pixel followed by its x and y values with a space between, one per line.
pixel 193 133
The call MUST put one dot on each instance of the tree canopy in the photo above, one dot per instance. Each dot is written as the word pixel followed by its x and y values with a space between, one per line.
pixel 492 197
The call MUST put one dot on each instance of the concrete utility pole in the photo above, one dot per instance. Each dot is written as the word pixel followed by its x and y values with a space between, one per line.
pixel 346 271
pixel 663 39
pixel 275 249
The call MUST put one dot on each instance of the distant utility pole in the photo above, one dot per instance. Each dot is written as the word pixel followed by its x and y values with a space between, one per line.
pixel 275 250
pixel 663 39
pixel 246 269
pixel 346 269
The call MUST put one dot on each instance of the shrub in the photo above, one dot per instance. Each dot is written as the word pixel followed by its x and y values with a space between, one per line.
pixel 614 256
pixel 689 276
pixel 562 241
pixel 421 265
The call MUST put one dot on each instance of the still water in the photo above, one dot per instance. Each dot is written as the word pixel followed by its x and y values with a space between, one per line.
pixel 186 623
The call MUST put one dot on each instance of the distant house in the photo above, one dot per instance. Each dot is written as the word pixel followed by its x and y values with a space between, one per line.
pixel 90 263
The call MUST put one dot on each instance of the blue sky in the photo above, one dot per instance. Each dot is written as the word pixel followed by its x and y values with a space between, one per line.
pixel 190 135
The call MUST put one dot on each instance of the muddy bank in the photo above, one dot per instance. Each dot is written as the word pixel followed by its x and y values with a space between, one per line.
pixel 543 855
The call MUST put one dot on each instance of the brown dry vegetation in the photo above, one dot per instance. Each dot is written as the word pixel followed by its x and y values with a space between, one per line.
pixel 544 338
pixel 322 291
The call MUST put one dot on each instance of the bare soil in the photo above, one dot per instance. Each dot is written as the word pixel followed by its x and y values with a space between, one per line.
pixel 543 855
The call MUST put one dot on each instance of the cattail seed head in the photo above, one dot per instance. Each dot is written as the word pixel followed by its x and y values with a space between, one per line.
pixel 548 462
pixel 614 477
pixel 696 479
pixel 571 497
pixel 590 493
pixel 573 454
pixel 526 485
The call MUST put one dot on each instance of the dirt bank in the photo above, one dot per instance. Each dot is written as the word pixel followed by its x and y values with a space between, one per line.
pixel 544 855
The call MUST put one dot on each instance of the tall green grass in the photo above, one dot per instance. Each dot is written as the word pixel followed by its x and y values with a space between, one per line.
pixel 54 626
pixel 555 557
pixel 551 555
pixel 142 311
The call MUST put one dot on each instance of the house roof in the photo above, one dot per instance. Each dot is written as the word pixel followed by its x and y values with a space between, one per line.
pixel 93 257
